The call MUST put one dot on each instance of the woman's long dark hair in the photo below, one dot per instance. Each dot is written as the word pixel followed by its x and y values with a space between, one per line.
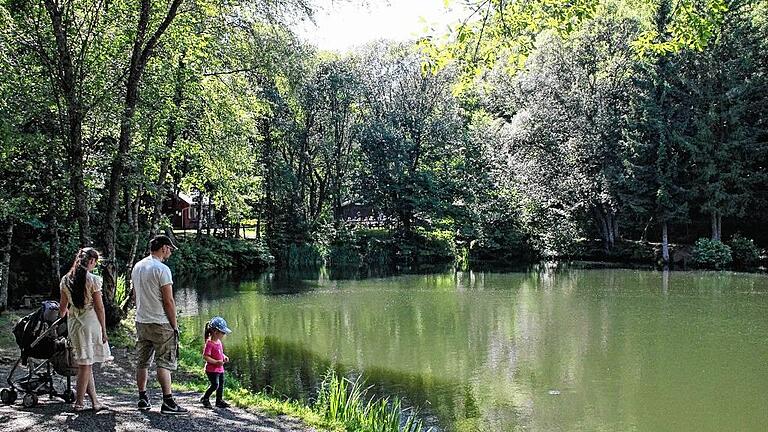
pixel 77 275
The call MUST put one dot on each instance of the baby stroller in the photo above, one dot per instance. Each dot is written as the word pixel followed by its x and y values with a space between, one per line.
pixel 42 339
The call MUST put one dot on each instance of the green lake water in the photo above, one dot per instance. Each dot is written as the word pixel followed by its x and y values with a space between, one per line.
pixel 545 350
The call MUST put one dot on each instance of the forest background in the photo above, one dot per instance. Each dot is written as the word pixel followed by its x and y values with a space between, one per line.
pixel 626 130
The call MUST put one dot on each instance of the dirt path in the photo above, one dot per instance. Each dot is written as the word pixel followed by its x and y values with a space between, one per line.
pixel 116 387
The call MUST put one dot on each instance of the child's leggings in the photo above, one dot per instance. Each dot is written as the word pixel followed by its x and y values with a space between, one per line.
pixel 217 385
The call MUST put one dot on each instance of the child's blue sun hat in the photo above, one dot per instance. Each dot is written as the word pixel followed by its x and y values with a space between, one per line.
pixel 219 324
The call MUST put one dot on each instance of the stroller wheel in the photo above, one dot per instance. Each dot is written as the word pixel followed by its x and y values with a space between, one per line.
pixel 69 396
pixel 30 400
pixel 8 396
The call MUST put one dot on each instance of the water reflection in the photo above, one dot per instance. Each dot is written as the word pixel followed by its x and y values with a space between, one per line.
pixel 551 349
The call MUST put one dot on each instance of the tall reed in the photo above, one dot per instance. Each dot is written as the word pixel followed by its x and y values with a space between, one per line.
pixel 346 401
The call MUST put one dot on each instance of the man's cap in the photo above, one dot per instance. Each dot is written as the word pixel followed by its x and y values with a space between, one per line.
pixel 219 324
pixel 159 241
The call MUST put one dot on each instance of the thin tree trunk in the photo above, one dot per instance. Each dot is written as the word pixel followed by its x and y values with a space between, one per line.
pixel 200 213
pixel 53 249
pixel 609 228
pixel 5 262
pixel 664 244
pixel 211 220
pixel 170 140
pixel 714 231
pixel 719 226
pixel 136 234
pixel 142 49
pixel 603 227
pixel 66 78
pixel 258 224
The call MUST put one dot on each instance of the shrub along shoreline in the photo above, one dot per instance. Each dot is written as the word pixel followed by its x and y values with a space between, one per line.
pixel 381 249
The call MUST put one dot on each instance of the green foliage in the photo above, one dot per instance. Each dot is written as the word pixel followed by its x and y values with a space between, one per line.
pixel 430 247
pixel 744 251
pixel 210 253
pixel 347 402
pixel 121 291
pixel 305 255
pixel 344 250
pixel 711 254
pixel 410 138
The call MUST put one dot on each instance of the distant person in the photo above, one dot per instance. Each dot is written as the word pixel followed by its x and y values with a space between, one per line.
pixel 157 331
pixel 81 302
pixel 214 356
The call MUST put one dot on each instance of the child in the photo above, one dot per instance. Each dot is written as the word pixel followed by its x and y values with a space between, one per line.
pixel 214 356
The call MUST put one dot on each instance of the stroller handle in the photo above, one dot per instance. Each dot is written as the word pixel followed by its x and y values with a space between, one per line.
pixel 48 331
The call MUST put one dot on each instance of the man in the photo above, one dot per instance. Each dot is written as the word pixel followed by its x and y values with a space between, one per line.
pixel 157 331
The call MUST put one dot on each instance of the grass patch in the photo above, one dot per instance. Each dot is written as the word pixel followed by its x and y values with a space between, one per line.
pixel 346 401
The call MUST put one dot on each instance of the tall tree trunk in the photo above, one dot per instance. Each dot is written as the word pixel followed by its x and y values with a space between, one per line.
pixel 603 227
pixel 200 216
pixel 66 76
pixel 77 181
pixel 664 244
pixel 609 228
pixel 714 232
pixel 170 140
pixel 135 231
pixel 268 161
pixel 719 226
pixel 5 261
pixel 142 49
pixel 53 249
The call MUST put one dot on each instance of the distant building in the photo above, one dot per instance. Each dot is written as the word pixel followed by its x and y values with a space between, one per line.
pixel 183 211
pixel 364 215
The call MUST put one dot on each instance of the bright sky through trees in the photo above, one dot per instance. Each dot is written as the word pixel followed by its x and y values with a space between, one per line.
pixel 343 25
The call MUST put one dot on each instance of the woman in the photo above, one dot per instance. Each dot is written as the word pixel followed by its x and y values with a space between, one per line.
pixel 81 301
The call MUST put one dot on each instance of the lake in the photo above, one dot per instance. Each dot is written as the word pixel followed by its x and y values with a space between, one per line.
pixel 550 349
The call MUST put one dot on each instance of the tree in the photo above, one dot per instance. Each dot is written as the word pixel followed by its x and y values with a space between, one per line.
pixel 571 110
pixel 727 83
pixel 410 136
pixel 144 43
pixel 657 178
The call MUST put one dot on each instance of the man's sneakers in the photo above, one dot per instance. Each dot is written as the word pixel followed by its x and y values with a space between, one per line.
pixel 171 408
pixel 144 404
pixel 221 404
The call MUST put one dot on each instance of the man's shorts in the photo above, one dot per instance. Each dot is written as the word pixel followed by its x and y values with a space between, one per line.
pixel 157 341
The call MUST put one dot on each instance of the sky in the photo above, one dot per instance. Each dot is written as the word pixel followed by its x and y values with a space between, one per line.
pixel 342 25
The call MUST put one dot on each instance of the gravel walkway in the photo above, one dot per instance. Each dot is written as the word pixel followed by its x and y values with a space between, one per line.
pixel 116 387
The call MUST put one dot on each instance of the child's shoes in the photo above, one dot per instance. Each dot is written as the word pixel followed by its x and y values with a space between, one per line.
pixel 206 403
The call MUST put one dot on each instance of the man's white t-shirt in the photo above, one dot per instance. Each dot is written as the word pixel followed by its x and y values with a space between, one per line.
pixel 147 277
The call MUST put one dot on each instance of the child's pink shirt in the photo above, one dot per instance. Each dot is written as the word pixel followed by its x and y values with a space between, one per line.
pixel 215 350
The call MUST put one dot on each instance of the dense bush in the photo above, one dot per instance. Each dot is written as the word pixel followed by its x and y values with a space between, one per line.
pixel 344 250
pixel 305 255
pixel 210 253
pixel 502 244
pixel 744 251
pixel 711 254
